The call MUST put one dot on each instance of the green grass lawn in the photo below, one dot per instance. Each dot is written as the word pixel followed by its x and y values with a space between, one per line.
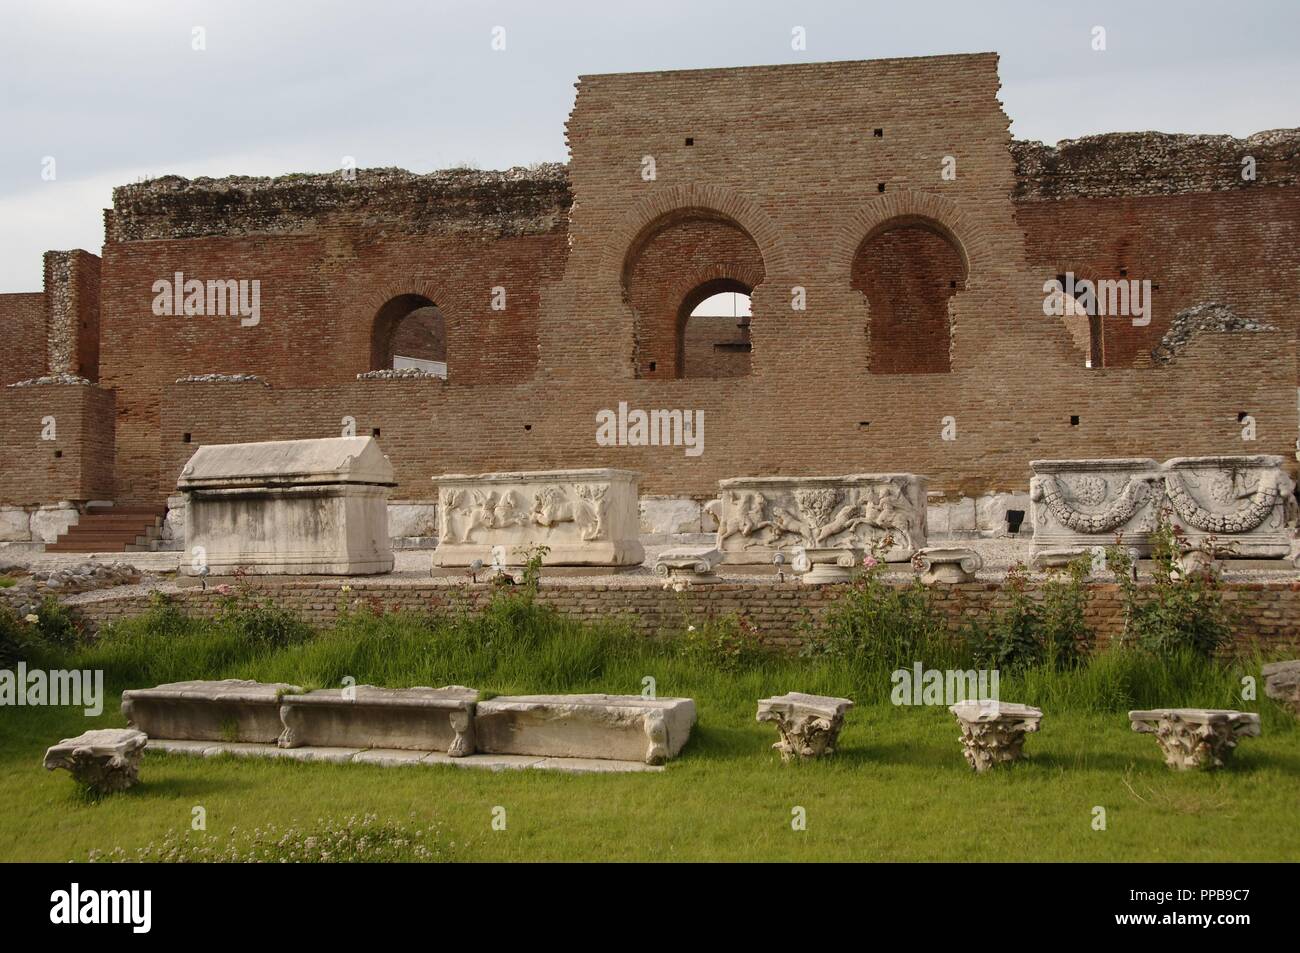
pixel 898 788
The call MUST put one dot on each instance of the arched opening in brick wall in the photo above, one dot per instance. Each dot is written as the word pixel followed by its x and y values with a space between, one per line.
pixel 676 264
pixel 409 332
pixel 909 270
pixel 714 335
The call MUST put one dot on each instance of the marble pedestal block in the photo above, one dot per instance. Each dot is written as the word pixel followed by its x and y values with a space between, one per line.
pixel 1233 507
pixel 617 727
pixel 1282 684
pixel 993 732
pixel 105 760
pixel 947 565
pixel 808 725
pixel 583 517
pixel 228 710
pixel 761 516
pixel 288 506
pixel 410 719
pixel 1079 504
pixel 1196 737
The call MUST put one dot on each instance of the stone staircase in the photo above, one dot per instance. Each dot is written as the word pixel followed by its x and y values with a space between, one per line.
pixel 112 529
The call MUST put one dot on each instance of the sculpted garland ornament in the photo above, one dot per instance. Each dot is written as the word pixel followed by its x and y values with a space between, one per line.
pixel 1120 511
pixel 1261 503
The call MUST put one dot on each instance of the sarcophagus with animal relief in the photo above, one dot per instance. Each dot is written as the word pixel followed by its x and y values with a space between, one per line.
pixel 582 517
pixel 868 512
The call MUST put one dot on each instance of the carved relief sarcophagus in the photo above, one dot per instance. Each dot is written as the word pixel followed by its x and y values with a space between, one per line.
pixel 583 517
pixel 761 516
pixel 1235 506
pixel 1085 503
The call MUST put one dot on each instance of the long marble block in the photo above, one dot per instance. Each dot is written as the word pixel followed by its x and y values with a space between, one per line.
pixel 410 719
pixel 104 759
pixel 808 726
pixel 1282 684
pixel 1196 737
pixel 583 517
pixel 1235 506
pixel 615 727
pixel 228 710
pixel 288 506
pixel 1085 503
pixel 761 516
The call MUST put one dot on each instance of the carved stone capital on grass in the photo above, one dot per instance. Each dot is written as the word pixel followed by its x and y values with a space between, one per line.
pixel 105 760
pixel 1282 684
pixel 1196 737
pixel 809 725
pixel 993 732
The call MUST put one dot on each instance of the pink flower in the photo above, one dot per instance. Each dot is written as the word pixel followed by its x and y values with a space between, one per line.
pixel 868 561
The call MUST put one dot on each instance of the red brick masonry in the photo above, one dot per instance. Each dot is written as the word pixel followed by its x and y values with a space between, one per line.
pixel 783 613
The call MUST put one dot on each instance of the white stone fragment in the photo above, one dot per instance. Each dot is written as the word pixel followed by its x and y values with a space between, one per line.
pixel 583 517
pixel 105 760
pixel 1196 737
pixel 993 732
pixel 949 565
pixel 1282 684
pixel 808 725
pixel 614 727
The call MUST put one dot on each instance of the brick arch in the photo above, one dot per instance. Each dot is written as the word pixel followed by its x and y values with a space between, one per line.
pixel 669 259
pixel 662 205
pixel 911 208
pixel 381 323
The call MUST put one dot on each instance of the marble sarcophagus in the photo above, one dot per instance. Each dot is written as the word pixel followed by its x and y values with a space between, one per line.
pixel 761 516
pixel 582 517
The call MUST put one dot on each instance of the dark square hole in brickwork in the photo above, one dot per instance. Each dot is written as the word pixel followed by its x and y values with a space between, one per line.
pixel 653 365
pixel 1155 287
pixel 528 426
pixel 1014 519
pixel 58 454
pixel 864 424
pixel 880 186
pixel 375 432
pixel 879 133
pixel 1074 420
pixel 690 140
pixel 1123 272
pixel 1241 415
pixel 185 438
pixel 952 284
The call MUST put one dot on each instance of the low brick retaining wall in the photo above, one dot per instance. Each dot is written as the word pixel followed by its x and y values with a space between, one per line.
pixel 782 613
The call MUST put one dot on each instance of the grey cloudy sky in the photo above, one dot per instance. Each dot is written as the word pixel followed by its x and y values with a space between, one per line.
pixel 113 90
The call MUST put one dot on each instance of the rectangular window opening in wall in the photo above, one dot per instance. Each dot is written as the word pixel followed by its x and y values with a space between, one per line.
pixel 1074 420
pixel 880 186
pixel 864 424
pixel 1241 416
pixel 58 454
pixel 185 438
pixel 690 140
pixel 375 432
pixel 879 133
pixel 653 365
pixel 528 426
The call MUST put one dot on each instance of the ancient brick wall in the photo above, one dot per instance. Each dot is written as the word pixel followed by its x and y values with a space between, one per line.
pixel 781 614
pixel 77 464
pixel 72 307
pixel 790 180
pixel 22 327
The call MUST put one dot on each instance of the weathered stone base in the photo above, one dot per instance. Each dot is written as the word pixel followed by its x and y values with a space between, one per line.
pixel 620 727
pixel 397 757
pixel 948 565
